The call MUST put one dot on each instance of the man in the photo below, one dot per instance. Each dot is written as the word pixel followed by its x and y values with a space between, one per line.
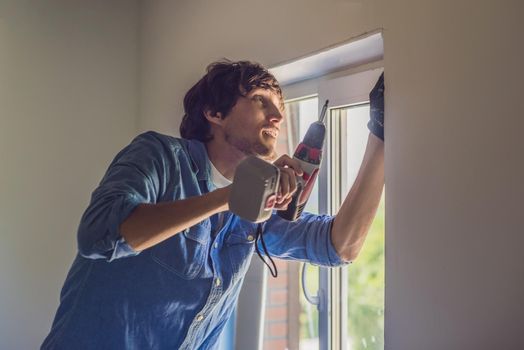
pixel 161 259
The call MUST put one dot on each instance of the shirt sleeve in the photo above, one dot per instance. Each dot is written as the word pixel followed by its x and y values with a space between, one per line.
pixel 307 239
pixel 136 175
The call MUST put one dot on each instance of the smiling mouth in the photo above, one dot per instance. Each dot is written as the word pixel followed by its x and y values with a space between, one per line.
pixel 271 133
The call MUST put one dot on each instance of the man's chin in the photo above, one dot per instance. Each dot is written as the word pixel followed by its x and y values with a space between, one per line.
pixel 270 157
pixel 267 156
pixel 262 150
pixel 267 153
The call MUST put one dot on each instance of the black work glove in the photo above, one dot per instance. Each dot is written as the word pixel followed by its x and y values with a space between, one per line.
pixel 376 110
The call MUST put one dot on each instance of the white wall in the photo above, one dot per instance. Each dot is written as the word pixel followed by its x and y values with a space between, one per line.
pixel 180 38
pixel 454 169
pixel 68 103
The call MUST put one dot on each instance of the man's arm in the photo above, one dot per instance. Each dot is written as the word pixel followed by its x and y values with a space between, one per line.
pixel 126 213
pixel 354 218
pixel 150 224
pixel 356 214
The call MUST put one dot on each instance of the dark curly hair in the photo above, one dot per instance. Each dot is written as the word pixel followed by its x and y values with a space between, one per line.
pixel 218 91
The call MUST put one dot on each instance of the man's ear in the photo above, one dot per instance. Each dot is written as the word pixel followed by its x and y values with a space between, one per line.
pixel 215 118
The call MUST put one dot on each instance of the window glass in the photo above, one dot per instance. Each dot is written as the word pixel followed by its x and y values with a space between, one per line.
pixel 365 276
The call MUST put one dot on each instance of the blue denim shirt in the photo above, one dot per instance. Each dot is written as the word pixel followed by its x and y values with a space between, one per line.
pixel 179 293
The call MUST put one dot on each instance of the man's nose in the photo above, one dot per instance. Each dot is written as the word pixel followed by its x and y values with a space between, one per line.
pixel 275 116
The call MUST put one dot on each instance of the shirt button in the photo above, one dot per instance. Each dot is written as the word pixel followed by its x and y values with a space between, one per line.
pixel 215 245
pixel 250 238
pixel 217 282
pixel 200 317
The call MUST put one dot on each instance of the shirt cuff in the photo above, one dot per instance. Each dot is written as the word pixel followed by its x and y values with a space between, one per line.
pixel 334 258
pixel 113 245
pixel 122 249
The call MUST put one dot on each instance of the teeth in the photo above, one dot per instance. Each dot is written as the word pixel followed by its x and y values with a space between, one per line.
pixel 271 132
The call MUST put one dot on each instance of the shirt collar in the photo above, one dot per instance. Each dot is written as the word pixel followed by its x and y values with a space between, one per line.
pixel 201 163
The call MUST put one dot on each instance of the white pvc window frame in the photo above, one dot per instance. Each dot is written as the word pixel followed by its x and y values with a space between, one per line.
pixel 345 88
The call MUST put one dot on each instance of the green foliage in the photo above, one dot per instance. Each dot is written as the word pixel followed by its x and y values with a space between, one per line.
pixel 366 290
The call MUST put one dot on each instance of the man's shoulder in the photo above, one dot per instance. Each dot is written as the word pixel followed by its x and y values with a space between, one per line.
pixel 175 146
pixel 167 142
pixel 154 136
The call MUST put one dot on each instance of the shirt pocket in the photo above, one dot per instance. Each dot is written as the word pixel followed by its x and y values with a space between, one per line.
pixel 185 253
pixel 240 244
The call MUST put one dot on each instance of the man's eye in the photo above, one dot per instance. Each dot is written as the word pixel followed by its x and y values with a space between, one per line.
pixel 258 98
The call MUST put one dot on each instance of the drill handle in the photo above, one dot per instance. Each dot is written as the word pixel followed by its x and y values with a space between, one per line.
pixel 293 208
pixel 299 198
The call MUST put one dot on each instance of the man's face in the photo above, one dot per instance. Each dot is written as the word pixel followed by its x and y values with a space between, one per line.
pixel 253 124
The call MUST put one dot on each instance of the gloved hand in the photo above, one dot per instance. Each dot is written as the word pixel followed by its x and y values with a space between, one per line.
pixel 376 110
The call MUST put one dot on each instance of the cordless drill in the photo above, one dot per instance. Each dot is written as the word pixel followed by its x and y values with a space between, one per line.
pixel 256 182
pixel 255 186
pixel 309 155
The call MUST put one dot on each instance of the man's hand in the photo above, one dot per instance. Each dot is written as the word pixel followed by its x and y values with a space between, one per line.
pixel 289 170
pixel 376 111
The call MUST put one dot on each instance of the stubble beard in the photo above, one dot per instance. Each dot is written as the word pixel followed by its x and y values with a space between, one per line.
pixel 249 148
